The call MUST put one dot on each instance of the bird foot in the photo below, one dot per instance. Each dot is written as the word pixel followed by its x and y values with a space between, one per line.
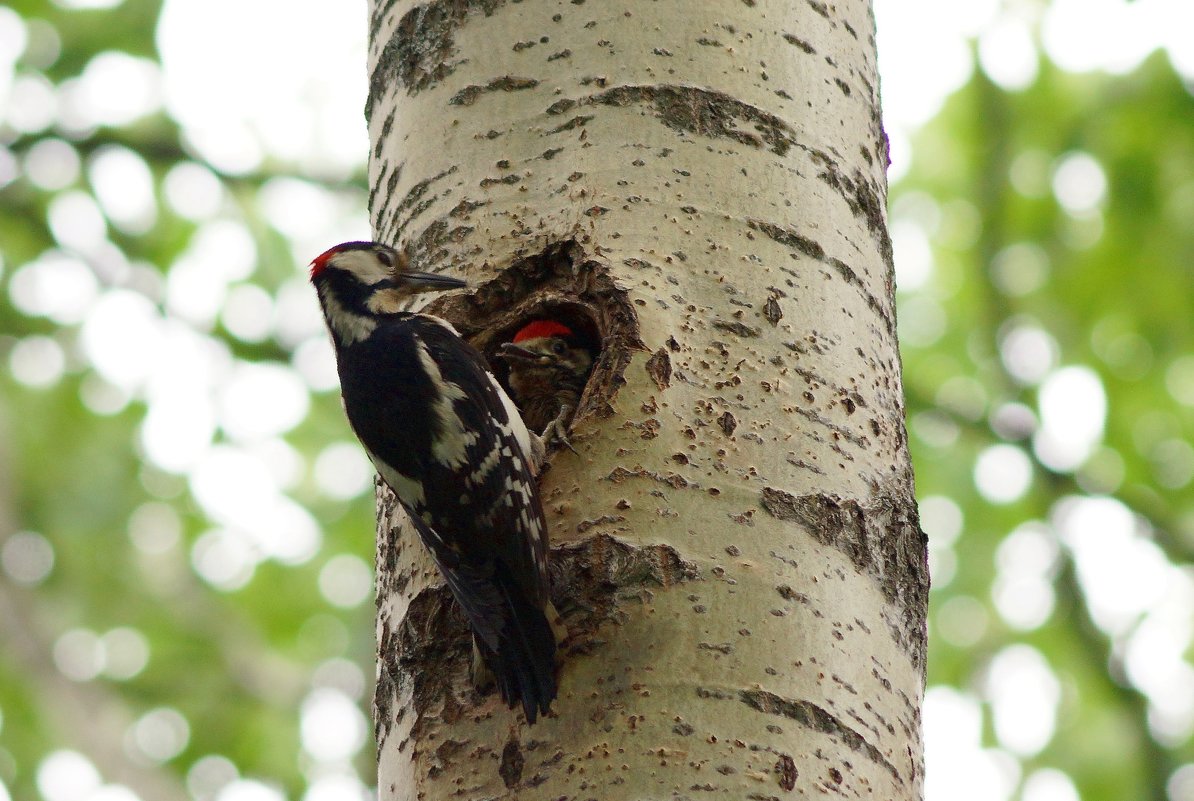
pixel 556 432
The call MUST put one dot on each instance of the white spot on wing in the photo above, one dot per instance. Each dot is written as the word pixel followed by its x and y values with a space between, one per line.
pixel 486 466
pixel 442 322
pixel 517 427
pixel 409 490
pixel 452 438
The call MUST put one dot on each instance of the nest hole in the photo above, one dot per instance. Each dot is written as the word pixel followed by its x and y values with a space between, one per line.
pixel 560 283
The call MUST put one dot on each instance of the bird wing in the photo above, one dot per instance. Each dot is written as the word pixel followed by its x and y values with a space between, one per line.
pixel 451 445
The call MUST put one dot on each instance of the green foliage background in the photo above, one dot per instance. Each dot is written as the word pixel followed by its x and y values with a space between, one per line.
pixel 1108 289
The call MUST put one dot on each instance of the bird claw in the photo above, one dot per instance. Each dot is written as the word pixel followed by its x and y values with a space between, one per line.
pixel 556 432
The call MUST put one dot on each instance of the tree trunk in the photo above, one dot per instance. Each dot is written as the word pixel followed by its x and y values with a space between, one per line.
pixel 736 554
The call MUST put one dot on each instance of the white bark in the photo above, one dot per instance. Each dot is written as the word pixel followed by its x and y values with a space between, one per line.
pixel 737 550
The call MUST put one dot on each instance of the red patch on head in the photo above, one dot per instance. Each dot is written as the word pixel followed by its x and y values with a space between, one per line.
pixel 542 328
pixel 321 261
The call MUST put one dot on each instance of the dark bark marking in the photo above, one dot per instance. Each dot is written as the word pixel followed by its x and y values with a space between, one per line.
pixel 705 112
pixel 844 432
pixel 883 540
pixel 819 719
pixel 512 764
pixel 575 122
pixel 673 480
pixel 802 244
pixel 693 110
pixel 466 207
pixel 863 198
pixel 429 246
pixel 803 465
pixel 803 45
pixel 585 525
pixel 560 106
pixel 379 14
pixel 772 310
pixel 659 367
pixel 788 594
pixel 419 53
pixel 432 633
pixel 390 182
pixel 592 580
pixel 735 327
pixel 820 8
pixel 786 768
pixel 387 125
pixel 727 423
pixel 506 179
pixel 412 204
pixel 506 83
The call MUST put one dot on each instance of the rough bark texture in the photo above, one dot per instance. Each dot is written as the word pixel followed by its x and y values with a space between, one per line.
pixel 700 186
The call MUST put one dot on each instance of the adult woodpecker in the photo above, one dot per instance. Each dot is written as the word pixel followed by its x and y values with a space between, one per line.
pixel 451 445
pixel 548 370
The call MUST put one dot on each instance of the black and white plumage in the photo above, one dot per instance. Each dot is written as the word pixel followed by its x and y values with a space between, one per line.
pixel 451 445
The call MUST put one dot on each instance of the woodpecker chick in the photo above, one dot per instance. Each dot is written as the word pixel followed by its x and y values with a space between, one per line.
pixel 451 445
pixel 548 371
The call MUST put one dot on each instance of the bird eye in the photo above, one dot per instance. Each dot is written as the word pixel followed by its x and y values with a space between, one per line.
pixel 558 346
pixel 385 258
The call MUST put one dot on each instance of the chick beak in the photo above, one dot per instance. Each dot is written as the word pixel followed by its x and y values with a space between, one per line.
pixel 513 352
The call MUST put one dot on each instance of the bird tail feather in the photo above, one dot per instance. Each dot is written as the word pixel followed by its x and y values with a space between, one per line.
pixel 512 633
pixel 525 660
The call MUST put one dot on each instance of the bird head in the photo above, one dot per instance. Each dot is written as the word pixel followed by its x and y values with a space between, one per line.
pixel 378 267
pixel 360 282
pixel 547 345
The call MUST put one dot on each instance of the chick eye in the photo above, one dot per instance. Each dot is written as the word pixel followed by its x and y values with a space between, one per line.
pixel 385 258
pixel 558 346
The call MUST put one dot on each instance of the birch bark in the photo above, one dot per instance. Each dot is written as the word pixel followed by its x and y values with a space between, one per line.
pixel 737 551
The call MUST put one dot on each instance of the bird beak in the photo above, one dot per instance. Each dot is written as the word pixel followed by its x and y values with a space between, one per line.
pixel 428 282
pixel 512 352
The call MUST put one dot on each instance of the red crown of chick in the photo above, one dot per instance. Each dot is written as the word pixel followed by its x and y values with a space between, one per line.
pixel 542 328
